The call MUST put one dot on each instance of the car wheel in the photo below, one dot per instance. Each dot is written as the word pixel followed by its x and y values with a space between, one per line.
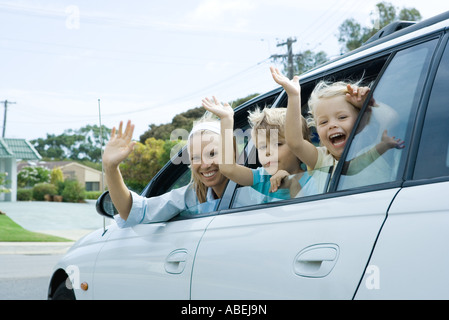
pixel 63 292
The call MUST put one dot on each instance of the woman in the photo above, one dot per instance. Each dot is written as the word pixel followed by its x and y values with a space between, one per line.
pixel 207 184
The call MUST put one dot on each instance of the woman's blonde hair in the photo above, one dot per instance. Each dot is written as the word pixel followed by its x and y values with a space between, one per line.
pixel 199 187
pixel 272 118
pixel 324 90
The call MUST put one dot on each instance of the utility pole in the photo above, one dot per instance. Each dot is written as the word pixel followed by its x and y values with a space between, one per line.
pixel 4 117
pixel 289 55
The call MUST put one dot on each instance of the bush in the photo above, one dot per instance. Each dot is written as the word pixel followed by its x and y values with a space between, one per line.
pixel 73 191
pixel 41 189
pixel 93 195
pixel 24 194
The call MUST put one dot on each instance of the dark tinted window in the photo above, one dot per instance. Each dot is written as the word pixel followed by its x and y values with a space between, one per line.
pixel 433 155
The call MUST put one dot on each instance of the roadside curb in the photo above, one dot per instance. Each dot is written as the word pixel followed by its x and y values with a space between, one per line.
pixel 34 247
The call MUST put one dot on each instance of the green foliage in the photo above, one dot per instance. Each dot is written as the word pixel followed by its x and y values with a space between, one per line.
pixel 3 182
pixel 24 194
pixel 180 121
pixel 56 176
pixel 12 232
pixel 81 144
pixel 93 195
pixel 304 61
pixel 41 189
pixel 142 164
pixel 352 35
pixel 72 191
pixel 29 176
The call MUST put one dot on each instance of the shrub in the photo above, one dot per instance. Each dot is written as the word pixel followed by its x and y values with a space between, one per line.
pixel 24 194
pixel 73 191
pixel 56 176
pixel 93 195
pixel 29 176
pixel 41 189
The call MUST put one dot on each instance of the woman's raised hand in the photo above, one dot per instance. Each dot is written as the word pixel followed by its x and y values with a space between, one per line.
pixel 119 146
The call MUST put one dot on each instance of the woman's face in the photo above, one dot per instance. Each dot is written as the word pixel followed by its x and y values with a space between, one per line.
pixel 204 159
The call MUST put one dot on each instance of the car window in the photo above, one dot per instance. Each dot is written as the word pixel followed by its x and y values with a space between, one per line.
pixel 379 147
pixel 433 155
pixel 308 183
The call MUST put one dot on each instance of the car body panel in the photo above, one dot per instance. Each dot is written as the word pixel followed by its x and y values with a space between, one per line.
pixel 148 261
pixel 252 255
pixel 411 257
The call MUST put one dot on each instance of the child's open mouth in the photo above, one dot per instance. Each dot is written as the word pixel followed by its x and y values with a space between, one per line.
pixel 337 139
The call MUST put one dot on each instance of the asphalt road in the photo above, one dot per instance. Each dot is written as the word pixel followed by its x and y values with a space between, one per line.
pixel 25 277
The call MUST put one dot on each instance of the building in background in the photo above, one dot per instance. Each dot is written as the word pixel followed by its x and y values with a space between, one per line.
pixel 11 151
pixel 90 178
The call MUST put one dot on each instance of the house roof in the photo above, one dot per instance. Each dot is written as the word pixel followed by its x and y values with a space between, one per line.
pixel 53 164
pixel 18 148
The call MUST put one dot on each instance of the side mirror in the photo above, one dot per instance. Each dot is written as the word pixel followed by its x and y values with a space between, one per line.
pixel 105 207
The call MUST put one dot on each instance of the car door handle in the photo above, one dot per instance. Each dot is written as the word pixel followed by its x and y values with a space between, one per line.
pixel 176 261
pixel 316 261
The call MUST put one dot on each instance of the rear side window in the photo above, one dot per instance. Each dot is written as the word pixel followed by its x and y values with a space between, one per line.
pixel 371 158
pixel 433 155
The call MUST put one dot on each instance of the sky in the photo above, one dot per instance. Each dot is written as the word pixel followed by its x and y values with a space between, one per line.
pixel 65 62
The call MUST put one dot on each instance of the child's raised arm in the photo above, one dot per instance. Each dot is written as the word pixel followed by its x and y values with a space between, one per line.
pixel 302 148
pixel 228 167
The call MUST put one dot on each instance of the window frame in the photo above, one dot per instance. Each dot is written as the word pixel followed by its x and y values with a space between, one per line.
pixel 422 111
pixel 413 120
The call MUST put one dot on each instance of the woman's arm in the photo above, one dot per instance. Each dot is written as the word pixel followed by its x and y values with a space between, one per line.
pixel 117 149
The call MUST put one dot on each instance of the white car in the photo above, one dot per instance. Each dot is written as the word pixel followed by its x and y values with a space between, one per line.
pixel 378 234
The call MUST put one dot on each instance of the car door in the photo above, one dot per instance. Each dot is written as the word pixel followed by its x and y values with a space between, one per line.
pixel 317 247
pixel 155 261
pixel 411 255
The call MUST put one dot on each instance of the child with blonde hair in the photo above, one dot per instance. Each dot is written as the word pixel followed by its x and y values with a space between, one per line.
pixel 276 158
pixel 334 108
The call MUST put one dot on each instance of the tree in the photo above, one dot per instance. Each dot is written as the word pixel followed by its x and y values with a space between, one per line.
pixel 142 164
pixel 81 144
pixel 352 35
pixel 56 176
pixel 302 61
pixel 29 176
pixel 183 120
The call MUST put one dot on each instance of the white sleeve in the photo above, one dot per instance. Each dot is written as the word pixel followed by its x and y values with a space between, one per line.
pixel 157 209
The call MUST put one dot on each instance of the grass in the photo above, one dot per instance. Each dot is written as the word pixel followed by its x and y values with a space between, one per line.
pixel 12 232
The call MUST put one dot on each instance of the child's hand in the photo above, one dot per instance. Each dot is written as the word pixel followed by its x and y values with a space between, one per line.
pixel 357 95
pixel 220 110
pixel 119 146
pixel 392 142
pixel 276 180
pixel 292 87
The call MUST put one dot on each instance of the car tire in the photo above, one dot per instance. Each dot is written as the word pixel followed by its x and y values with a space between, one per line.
pixel 63 292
